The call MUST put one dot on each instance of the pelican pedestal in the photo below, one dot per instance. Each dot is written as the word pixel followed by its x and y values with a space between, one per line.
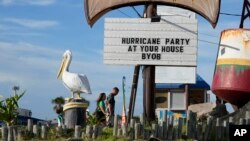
pixel 75 113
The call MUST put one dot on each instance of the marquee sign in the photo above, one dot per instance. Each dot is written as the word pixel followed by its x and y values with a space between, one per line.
pixel 170 42
pixel 209 9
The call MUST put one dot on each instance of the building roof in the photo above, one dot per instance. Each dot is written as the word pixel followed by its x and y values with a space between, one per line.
pixel 200 84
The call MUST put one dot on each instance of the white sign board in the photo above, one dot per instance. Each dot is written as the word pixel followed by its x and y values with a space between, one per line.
pixel 185 75
pixel 132 41
pixel 167 12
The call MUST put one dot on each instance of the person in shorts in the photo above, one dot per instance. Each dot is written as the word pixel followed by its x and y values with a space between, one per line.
pixel 111 106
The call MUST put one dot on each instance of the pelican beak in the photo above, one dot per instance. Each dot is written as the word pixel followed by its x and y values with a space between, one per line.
pixel 60 72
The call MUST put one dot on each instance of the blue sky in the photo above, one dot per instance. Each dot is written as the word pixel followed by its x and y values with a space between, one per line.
pixel 35 33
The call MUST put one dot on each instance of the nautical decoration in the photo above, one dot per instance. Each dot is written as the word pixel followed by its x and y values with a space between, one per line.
pixel 209 9
pixel 231 80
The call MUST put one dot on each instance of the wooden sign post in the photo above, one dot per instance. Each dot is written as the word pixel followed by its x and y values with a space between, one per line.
pixel 149 77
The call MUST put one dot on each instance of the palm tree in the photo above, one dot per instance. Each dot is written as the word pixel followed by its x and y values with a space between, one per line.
pixel 59 102
pixel 58 108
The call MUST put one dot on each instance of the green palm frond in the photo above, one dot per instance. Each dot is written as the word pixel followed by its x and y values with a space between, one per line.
pixel 59 102
pixel 8 109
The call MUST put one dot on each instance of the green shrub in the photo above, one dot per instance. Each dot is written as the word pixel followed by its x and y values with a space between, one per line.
pixel 26 135
pixel 52 134
pixel 68 133
pixel 92 120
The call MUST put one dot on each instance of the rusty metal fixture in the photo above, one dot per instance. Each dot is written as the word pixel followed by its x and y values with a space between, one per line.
pixel 244 15
pixel 231 80
pixel 209 9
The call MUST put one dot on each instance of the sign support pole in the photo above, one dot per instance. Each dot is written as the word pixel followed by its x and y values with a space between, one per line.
pixel 133 93
pixel 149 77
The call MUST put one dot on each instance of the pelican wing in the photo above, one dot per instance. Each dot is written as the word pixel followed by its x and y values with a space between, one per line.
pixel 76 82
pixel 85 84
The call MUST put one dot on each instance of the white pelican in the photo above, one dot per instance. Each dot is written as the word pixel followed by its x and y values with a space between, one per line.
pixel 76 83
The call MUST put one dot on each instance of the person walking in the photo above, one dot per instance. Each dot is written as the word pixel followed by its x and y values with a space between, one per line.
pixel 101 109
pixel 111 106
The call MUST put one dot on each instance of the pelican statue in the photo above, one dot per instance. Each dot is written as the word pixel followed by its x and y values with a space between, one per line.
pixel 76 83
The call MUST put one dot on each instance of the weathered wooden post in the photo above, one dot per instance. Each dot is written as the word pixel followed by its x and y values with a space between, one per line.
pixel 77 134
pixel 155 130
pixel 19 135
pixel 44 132
pixel 36 130
pixel 170 120
pixel 225 131
pixel 170 132
pixel 119 132
pixel 30 125
pixel 242 121
pixel 14 132
pixel 95 131
pixel 115 126
pixel 149 76
pixel 142 119
pixel 247 117
pixel 164 130
pixel 230 120
pixel 132 129
pixel 89 131
pixel 83 135
pixel 142 129
pixel 10 133
pixel 191 125
pixel 170 127
pixel 160 130
pixel 199 132
pixel 137 131
pixel 218 130
pixel 175 133
pixel 75 113
pixel 208 129
pixel 180 126
pixel 132 123
pixel 4 133
pixel 124 130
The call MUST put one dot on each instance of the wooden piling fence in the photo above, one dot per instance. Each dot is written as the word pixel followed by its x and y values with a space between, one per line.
pixel 168 129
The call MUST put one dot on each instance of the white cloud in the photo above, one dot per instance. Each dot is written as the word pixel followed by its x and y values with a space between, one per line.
pixel 22 34
pixel 1 97
pixel 6 2
pixel 27 2
pixel 26 48
pixel 30 23
pixel 39 2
